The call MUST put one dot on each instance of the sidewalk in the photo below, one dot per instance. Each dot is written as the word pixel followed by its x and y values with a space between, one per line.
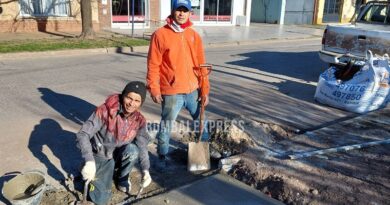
pixel 214 190
pixel 236 35
pixel 212 35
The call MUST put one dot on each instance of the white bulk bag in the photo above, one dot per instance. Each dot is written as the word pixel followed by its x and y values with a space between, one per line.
pixel 368 89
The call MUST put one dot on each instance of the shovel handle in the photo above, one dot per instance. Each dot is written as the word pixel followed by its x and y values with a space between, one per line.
pixel 202 72
pixel 139 192
pixel 85 193
pixel 201 118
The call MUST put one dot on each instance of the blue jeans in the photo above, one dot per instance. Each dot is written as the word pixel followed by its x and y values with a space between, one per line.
pixel 171 106
pixel 124 160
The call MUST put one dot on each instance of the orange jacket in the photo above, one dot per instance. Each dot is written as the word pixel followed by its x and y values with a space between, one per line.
pixel 172 58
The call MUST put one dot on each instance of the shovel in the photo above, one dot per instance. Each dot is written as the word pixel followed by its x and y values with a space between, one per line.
pixel 198 152
pixel 85 193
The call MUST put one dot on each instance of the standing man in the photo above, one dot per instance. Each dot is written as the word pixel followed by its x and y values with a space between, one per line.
pixel 175 53
pixel 112 140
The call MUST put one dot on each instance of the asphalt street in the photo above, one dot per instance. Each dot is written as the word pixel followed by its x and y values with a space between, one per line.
pixel 45 99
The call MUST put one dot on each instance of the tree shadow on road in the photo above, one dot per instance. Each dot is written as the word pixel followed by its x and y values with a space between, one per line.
pixel 306 66
pixel 72 108
pixel 292 73
pixel 278 87
pixel 299 90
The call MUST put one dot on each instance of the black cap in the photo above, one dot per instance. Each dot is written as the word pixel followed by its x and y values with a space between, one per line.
pixel 136 87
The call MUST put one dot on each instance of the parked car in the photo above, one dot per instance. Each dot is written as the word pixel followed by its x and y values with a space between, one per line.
pixel 369 31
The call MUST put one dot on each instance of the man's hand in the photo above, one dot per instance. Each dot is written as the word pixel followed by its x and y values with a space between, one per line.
pixel 206 100
pixel 157 99
pixel 146 179
pixel 89 170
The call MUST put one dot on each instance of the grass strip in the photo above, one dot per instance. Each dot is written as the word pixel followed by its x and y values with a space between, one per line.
pixel 68 43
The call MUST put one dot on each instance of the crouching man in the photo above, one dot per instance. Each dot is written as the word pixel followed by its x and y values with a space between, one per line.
pixel 112 140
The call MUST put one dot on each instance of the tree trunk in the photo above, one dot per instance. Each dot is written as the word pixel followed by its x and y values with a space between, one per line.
pixel 86 19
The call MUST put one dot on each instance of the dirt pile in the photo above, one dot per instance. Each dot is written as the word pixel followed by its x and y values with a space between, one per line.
pixel 230 139
pixel 271 183
pixel 360 176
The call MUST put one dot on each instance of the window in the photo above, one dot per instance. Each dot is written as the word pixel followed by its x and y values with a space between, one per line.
pixel 44 7
pixel 376 14
pixel 332 6
pixel 217 10
pixel 121 11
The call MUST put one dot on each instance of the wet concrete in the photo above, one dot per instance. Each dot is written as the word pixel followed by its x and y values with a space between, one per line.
pixel 215 190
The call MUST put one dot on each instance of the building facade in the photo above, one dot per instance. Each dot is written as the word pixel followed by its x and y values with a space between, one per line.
pixel 65 16
pixel 304 11
pixel 43 15
pixel 341 11
pixel 152 13
pixel 283 11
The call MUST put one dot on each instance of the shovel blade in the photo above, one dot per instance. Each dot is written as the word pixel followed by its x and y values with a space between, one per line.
pixel 198 156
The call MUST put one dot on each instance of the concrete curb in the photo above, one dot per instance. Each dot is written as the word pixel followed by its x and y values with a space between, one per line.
pixel 71 52
pixel 51 53
pixel 137 49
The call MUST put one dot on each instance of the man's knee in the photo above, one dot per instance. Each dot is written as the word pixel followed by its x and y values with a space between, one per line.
pixel 100 188
pixel 130 152
pixel 99 193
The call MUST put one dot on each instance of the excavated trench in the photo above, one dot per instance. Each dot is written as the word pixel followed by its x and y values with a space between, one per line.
pixel 250 151
pixel 233 142
pixel 327 178
pixel 230 140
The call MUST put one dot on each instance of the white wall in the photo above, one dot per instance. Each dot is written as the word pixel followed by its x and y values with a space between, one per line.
pixel 268 11
pixel 238 6
pixel 299 11
pixel 165 9
pixel 239 11
pixel 282 12
pixel 248 11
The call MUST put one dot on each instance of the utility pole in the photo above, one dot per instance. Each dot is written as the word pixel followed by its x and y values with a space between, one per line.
pixel 1 8
pixel 132 18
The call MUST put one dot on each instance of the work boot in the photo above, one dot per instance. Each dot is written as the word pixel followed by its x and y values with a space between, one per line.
pixel 124 186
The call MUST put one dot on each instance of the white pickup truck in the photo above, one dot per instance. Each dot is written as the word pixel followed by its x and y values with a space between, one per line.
pixel 369 31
